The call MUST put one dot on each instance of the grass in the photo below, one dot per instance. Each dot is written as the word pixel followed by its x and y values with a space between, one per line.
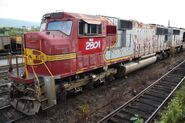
pixel 175 111
pixel 83 112
pixel 137 119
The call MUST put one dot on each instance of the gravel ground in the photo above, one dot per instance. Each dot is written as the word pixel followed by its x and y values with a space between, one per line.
pixel 92 105
pixel 4 94
pixel 4 100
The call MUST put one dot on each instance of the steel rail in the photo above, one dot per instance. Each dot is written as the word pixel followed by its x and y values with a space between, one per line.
pixel 141 93
pixel 155 112
pixel 9 115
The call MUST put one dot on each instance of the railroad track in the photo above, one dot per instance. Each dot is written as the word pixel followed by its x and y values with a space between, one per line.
pixel 149 101
pixel 4 95
pixel 9 114
pixel 3 76
pixel 4 88
pixel 4 68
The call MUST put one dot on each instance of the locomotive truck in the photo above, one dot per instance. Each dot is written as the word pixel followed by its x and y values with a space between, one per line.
pixel 73 51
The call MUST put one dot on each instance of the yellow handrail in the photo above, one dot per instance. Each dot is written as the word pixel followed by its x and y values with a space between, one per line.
pixel 40 46
pixel 39 93
pixel 53 93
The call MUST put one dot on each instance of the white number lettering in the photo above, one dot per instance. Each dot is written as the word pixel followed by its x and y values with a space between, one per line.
pixel 92 45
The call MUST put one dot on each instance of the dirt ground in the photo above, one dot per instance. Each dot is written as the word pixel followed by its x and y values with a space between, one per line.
pixel 92 105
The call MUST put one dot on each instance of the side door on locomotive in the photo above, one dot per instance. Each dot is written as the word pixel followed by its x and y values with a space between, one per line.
pixel 91 43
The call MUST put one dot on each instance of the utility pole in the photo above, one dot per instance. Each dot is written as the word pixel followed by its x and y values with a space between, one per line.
pixel 168 23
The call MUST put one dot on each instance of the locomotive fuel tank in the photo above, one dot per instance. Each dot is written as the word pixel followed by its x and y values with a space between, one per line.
pixel 133 66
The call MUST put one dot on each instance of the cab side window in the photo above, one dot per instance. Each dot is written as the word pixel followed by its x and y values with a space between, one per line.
pixel 89 29
pixel 162 31
pixel 183 37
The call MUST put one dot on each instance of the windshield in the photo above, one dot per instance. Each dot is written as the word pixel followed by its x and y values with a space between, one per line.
pixel 42 27
pixel 63 26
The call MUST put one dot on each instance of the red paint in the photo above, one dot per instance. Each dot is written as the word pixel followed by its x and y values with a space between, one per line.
pixel 90 45
pixel 14 77
pixel 89 49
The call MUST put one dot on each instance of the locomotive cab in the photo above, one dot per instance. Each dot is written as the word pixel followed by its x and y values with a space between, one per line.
pixel 48 54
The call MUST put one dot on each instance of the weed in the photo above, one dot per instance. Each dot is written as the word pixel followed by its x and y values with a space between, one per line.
pixel 175 112
pixel 83 112
pixel 137 119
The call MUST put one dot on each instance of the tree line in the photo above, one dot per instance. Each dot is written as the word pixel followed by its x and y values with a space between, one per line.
pixel 12 31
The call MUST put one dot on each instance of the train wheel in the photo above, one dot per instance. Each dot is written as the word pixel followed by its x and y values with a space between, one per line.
pixel 63 95
pixel 90 85
pixel 110 78
pixel 181 49
pixel 120 72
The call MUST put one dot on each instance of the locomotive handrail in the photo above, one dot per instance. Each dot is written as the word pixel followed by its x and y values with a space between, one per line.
pixel 16 57
pixel 40 47
pixel 17 66
pixel 10 62
pixel 26 72
pixel 35 76
pixel 21 56
pixel 51 77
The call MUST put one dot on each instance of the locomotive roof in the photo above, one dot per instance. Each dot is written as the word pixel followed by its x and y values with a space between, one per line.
pixel 87 18
pixel 94 19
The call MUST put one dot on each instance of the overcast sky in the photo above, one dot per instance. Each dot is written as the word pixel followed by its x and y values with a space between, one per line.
pixel 147 11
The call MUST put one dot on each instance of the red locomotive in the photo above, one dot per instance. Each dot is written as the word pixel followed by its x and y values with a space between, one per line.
pixel 72 51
